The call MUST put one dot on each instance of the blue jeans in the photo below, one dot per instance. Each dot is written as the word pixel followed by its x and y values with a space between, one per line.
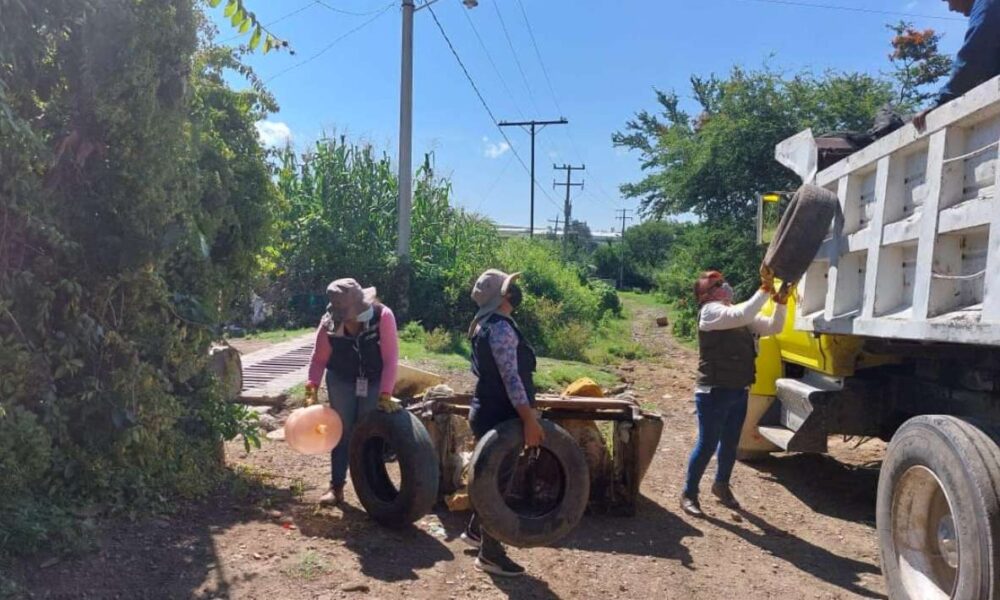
pixel 351 409
pixel 721 413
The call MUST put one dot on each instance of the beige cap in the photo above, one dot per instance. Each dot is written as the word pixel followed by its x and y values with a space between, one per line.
pixel 348 299
pixel 489 291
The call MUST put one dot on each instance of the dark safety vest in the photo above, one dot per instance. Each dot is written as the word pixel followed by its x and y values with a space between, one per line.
pixel 491 403
pixel 360 355
pixel 726 358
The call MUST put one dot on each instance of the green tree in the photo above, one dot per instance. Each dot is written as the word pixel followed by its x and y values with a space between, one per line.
pixel 647 247
pixel 134 197
pixel 917 63
pixel 716 166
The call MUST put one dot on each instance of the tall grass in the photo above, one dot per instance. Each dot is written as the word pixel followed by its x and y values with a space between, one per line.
pixel 340 220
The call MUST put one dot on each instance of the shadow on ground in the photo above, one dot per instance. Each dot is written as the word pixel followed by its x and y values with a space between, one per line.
pixel 163 557
pixel 823 564
pixel 385 554
pixel 826 485
pixel 177 556
pixel 653 531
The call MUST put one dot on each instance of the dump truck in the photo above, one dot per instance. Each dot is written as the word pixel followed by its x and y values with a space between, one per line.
pixel 896 335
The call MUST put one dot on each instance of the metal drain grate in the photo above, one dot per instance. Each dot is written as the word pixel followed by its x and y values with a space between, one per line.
pixel 265 371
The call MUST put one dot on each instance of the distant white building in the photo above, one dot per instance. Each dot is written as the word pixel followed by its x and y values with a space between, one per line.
pixel 510 231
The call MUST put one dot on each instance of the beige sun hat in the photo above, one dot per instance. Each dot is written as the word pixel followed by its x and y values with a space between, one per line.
pixel 488 293
pixel 348 299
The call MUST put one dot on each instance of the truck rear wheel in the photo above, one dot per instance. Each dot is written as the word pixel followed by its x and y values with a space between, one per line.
pixel 938 511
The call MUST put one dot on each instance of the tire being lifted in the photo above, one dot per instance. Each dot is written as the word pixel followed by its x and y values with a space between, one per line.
pixel 938 511
pixel 551 494
pixel 801 231
pixel 418 466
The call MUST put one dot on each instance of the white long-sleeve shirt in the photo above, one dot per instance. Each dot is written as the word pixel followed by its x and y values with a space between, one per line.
pixel 717 316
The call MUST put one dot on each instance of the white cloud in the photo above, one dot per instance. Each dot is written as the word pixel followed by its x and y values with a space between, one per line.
pixel 274 133
pixel 495 150
pixel 911 5
pixel 553 154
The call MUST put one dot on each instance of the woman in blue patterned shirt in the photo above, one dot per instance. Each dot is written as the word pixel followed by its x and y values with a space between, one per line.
pixel 504 364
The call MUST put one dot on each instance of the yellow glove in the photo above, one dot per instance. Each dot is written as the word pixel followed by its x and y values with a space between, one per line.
pixel 781 296
pixel 310 394
pixel 388 404
pixel 766 279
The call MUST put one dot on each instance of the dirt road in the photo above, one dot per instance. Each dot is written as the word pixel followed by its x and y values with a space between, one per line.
pixel 808 532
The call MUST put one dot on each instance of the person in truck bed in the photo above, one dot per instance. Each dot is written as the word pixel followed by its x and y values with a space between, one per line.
pixel 979 58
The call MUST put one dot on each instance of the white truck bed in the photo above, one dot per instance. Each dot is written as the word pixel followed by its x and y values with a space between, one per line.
pixel 916 252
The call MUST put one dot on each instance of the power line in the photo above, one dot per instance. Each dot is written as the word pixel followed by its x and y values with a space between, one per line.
pixel 336 41
pixel 276 21
pixel 555 97
pixel 486 106
pixel 347 12
pixel 496 69
pixel 533 127
pixel 517 61
pixel 538 54
pixel 489 190
pixel 874 11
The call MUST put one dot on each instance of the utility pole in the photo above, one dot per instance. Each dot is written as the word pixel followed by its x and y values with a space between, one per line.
pixel 621 270
pixel 532 127
pixel 567 206
pixel 405 201
pixel 556 221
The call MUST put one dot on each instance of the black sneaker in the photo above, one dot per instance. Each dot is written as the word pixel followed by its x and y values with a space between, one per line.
pixel 501 566
pixel 725 495
pixel 691 506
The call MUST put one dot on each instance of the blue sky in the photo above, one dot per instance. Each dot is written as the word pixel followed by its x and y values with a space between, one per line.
pixel 603 59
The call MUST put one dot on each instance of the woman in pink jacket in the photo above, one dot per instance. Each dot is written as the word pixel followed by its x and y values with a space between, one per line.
pixel 357 346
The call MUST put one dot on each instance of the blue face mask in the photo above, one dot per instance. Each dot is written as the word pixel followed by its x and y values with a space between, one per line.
pixel 727 290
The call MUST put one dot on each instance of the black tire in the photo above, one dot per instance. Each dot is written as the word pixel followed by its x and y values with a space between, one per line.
pixel 801 232
pixel 568 480
pixel 418 467
pixel 940 481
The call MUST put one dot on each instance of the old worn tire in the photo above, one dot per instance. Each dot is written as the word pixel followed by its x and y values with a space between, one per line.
pixel 939 508
pixel 801 231
pixel 493 455
pixel 418 466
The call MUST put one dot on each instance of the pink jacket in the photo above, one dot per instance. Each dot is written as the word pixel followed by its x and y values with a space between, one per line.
pixel 388 343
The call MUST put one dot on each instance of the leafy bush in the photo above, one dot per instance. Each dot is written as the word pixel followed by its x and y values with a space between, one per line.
pixel 561 308
pixel 135 198
pixel 413 331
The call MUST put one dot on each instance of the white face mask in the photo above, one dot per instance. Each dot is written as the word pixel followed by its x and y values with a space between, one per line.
pixel 366 316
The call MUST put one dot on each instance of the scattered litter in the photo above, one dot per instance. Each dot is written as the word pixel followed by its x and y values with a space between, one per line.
pixel 432 526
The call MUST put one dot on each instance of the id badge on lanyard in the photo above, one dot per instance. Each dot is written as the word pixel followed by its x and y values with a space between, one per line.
pixel 361 387
pixel 361 383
